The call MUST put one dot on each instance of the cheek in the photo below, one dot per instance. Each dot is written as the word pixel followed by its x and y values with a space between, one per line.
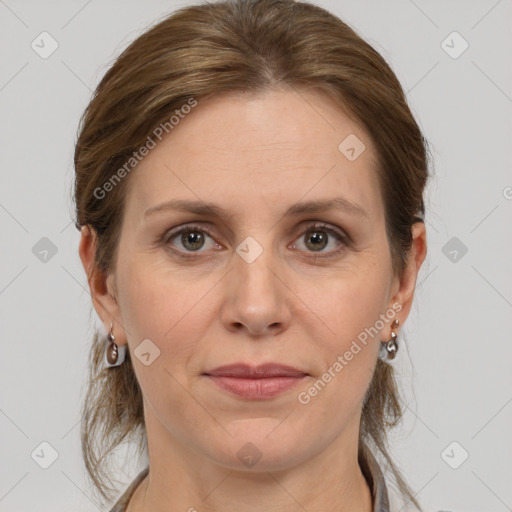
pixel 349 304
pixel 163 307
pixel 347 309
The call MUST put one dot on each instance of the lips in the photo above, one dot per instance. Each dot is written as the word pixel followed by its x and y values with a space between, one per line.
pixel 263 371
pixel 250 382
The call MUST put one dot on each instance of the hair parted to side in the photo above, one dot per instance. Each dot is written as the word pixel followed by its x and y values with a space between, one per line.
pixel 237 46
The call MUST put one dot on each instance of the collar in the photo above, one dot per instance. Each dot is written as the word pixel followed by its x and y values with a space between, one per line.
pixel 376 482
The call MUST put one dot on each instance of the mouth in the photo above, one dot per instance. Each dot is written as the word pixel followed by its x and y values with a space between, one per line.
pixel 256 382
pixel 262 371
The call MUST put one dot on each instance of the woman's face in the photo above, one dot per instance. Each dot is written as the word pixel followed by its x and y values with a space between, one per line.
pixel 265 276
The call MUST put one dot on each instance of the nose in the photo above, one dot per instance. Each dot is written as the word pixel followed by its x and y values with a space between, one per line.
pixel 257 300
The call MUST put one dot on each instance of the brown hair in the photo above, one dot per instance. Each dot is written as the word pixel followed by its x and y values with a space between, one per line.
pixel 237 46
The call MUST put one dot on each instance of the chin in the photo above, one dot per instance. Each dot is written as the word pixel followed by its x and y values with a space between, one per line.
pixel 259 445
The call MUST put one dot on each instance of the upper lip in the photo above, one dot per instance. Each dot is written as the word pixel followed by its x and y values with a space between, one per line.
pixel 242 370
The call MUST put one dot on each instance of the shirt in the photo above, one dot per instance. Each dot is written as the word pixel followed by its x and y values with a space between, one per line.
pixel 373 476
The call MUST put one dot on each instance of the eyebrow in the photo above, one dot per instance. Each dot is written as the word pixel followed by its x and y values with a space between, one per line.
pixel 211 209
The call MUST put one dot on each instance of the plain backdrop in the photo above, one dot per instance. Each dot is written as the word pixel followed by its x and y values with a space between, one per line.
pixel 454 446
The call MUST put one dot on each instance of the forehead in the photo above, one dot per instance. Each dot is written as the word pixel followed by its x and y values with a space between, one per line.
pixel 268 149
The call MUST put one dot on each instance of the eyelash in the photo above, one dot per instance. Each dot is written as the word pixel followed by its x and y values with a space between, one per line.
pixel 170 235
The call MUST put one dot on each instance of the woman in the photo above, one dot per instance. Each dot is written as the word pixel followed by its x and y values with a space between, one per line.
pixel 249 190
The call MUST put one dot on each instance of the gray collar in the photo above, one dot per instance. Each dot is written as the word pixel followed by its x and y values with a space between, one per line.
pixel 375 479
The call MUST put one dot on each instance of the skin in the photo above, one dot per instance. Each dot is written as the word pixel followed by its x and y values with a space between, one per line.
pixel 253 156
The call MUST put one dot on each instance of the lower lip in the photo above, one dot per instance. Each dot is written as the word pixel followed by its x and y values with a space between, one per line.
pixel 256 388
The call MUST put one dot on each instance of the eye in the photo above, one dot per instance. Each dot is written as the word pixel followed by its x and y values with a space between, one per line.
pixel 191 238
pixel 319 236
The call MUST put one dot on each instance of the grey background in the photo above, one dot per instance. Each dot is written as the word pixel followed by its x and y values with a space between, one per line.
pixel 455 364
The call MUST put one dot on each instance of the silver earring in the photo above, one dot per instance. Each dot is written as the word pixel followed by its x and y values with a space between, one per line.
pixel 114 355
pixel 391 346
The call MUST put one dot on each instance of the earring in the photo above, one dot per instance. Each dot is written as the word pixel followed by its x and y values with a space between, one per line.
pixel 114 355
pixel 390 346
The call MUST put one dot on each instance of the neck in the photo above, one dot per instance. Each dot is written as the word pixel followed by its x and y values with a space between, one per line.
pixel 330 481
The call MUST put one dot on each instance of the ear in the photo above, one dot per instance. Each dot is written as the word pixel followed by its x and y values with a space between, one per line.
pixel 102 287
pixel 404 287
